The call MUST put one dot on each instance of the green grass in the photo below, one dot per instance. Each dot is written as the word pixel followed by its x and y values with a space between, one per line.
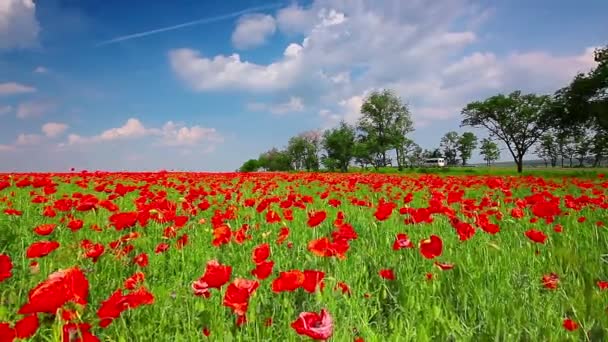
pixel 493 293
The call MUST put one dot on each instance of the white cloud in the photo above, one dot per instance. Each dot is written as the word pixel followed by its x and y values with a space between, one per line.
pixel 33 109
pixel 252 30
pixel 222 72
pixel 41 70
pixel 5 110
pixel 173 134
pixel 416 48
pixel 170 134
pixel 28 139
pixel 295 104
pixel 54 129
pixel 19 27
pixel 12 88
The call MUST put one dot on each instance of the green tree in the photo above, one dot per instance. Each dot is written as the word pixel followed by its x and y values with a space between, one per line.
pixel 547 149
pixel 586 97
pixel 449 147
pixel 296 148
pixel 384 117
pixel 251 165
pixel 466 145
pixel 516 119
pixel 275 160
pixel 339 146
pixel 403 125
pixel 490 151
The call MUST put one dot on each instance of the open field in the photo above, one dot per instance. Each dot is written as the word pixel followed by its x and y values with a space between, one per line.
pixel 187 256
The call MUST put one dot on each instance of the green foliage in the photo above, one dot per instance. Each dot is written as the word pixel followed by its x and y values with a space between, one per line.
pixel 275 160
pixel 490 151
pixel 466 145
pixel 250 166
pixel 449 147
pixel 385 121
pixel 585 99
pixel 339 145
pixel 517 119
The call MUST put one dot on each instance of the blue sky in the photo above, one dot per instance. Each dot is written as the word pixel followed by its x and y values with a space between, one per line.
pixel 77 91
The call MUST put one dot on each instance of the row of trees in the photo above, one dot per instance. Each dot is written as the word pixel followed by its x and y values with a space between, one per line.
pixel 571 124
pixel 380 138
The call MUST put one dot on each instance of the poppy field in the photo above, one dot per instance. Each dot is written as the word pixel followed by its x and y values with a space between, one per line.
pixel 97 256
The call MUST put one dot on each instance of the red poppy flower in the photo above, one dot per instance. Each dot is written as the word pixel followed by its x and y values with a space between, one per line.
pixel 92 250
pixel 444 266
pixel 342 287
pixel 315 218
pixel 6 332
pixel 263 270
pixel 402 241
pixel 261 253
pixel 112 307
pixel 432 247
pixel 387 274
pixel 141 260
pixel 238 294
pixel 27 326
pixel 536 236
pixel 123 220
pixel 602 284
pixel 288 281
pixel 313 280
pixel 161 247
pixel 570 325
pixel 83 330
pixel 75 225
pixel 550 281
pixel 132 282
pixel 60 287
pixel 45 229
pixel 40 249
pixel 318 326
pixel 6 267
pixel 216 275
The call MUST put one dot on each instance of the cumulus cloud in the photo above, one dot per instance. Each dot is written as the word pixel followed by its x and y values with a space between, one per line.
pixel 33 109
pixel 420 49
pixel 19 27
pixel 253 30
pixel 295 104
pixel 170 134
pixel 12 88
pixel 54 129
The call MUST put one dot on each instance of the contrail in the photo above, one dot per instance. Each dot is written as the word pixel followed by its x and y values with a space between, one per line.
pixel 190 23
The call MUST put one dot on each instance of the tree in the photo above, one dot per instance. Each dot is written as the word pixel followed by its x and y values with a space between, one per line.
pixel 547 149
pixel 416 156
pixel 250 166
pixel 403 125
pixel 490 151
pixel 586 97
pixel 383 118
pixel 296 148
pixel 466 145
pixel 582 146
pixel 517 119
pixel 313 145
pixel 275 160
pixel 449 147
pixel 339 145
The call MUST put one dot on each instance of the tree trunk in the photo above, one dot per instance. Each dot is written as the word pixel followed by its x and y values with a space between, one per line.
pixel 570 161
pixel 520 163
